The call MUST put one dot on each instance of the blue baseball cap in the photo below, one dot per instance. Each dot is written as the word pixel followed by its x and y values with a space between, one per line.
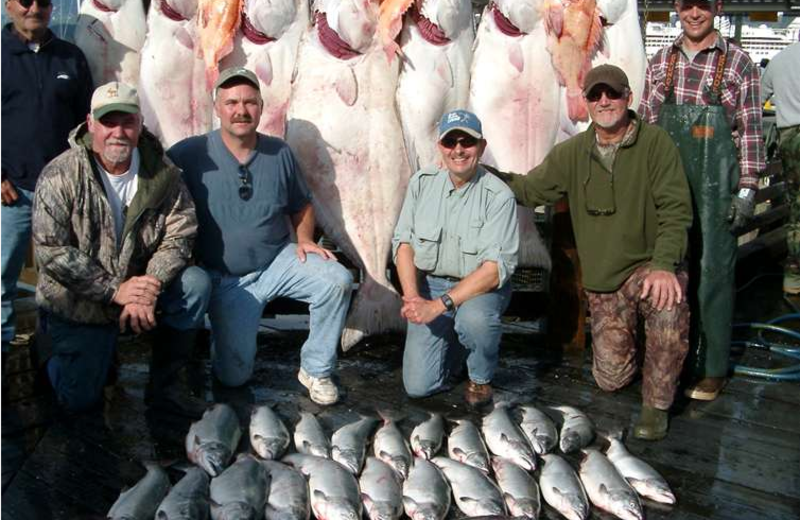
pixel 462 120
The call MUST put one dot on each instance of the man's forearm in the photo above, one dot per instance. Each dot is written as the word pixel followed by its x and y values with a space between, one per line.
pixel 480 281
pixel 303 222
pixel 407 271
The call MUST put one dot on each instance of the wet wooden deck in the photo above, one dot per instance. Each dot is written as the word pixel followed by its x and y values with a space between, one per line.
pixel 735 458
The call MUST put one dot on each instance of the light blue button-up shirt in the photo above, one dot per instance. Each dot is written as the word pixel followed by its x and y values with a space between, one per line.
pixel 453 231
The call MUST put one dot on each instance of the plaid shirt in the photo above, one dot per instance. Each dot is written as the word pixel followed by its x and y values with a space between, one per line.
pixel 740 93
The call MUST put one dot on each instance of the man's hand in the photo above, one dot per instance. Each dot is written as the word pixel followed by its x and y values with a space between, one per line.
pixel 8 193
pixel 663 289
pixel 141 290
pixel 140 317
pixel 421 311
pixel 741 211
pixel 304 248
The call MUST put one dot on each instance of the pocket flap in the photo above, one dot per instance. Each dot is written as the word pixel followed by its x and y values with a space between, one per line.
pixel 431 234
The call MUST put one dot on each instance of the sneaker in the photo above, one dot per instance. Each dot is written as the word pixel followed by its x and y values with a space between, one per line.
pixel 707 389
pixel 652 425
pixel 791 284
pixel 322 390
pixel 477 394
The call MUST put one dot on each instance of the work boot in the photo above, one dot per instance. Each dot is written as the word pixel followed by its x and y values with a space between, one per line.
pixel 652 425
pixel 477 394
pixel 171 351
pixel 707 389
pixel 321 390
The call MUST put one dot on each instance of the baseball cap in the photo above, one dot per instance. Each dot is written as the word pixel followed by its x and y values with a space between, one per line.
pixel 114 97
pixel 462 120
pixel 606 74
pixel 236 72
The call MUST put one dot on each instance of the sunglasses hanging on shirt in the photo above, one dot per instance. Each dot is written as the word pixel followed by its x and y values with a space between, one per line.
pixel 246 188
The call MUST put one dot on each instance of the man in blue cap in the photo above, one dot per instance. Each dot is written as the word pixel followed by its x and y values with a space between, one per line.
pixel 455 247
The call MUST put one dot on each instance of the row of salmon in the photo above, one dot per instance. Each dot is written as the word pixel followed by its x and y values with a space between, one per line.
pixel 403 476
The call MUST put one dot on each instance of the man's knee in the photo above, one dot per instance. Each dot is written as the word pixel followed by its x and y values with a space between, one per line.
pixel 232 378
pixel 614 378
pixel 417 387
pixel 340 278
pixel 476 323
pixel 196 287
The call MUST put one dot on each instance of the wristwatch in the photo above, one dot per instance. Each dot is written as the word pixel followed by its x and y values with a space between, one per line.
pixel 448 302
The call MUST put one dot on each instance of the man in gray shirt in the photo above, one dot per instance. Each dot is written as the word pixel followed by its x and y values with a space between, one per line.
pixel 455 246
pixel 781 82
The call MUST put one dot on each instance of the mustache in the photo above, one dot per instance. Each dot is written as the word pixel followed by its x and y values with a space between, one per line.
pixel 242 119
pixel 119 142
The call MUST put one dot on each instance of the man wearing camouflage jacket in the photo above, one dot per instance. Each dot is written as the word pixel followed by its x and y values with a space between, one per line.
pixel 113 229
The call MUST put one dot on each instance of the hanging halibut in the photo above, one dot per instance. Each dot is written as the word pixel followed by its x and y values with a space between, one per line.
pixel 514 91
pixel 344 129
pixel 267 43
pixel 111 35
pixel 436 44
pixel 176 103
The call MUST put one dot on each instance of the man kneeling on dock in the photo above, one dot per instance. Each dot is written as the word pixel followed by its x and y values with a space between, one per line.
pixel 455 246
pixel 113 229
pixel 630 208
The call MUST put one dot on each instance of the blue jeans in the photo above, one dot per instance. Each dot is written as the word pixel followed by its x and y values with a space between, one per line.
pixel 435 350
pixel 83 353
pixel 237 303
pixel 15 234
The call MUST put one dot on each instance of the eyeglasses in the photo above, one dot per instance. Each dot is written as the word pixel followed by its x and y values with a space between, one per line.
pixel 600 199
pixel 596 93
pixel 43 4
pixel 246 189
pixel 466 141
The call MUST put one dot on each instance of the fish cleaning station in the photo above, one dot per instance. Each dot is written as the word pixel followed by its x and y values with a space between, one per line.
pixel 371 142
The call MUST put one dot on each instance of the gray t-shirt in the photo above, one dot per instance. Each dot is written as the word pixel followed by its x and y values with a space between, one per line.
pixel 237 236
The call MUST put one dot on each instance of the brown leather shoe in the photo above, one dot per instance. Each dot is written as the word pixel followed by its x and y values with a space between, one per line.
pixel 707 389
pixel 477 394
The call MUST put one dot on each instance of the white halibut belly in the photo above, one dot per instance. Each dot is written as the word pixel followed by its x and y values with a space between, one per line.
pixel 112 41
pixel 515 93
pixel 433 81
pixel 175 101
pixel 344 128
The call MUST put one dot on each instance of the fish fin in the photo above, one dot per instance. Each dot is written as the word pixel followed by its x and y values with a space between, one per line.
pixel 516 57
pixel 184 38
pixel 596 33
pixel 444 69
pixel 603 489
pixel 347 87
pixel 409 503
pixel 576 105
pixel 509 499
pixel 554 19
pixel 319 494
pixel 390 23
pixel 468 500
pixel 459 452
pixel 264 70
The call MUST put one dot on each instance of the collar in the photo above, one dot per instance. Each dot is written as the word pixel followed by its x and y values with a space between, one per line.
pixel 18 46
pixel 719 43
pixel 464 187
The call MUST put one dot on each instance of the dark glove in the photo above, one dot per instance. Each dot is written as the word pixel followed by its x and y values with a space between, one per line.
pixel 742 207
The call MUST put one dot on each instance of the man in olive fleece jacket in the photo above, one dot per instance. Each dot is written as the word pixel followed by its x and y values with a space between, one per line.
pixel 630 209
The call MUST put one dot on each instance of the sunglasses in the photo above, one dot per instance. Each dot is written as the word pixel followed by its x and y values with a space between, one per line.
pixel 466 141
pixel 246 188
pixel 596 93
pixel 43 4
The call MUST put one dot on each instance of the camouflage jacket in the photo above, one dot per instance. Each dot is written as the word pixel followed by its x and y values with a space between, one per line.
pixel 80 264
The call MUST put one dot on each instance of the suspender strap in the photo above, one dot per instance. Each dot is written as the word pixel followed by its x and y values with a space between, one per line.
pixel 669 81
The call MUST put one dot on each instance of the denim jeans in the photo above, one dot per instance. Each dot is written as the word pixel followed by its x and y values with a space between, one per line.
pixel 15 234
pixel 434 351
pixel 83 353
pixel 237 303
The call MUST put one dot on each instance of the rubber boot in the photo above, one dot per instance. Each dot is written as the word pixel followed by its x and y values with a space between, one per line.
pixel 171 351
pixel 652 425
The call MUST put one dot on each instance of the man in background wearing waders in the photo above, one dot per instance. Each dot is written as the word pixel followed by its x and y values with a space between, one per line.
pixel 705 92
pixel 781 83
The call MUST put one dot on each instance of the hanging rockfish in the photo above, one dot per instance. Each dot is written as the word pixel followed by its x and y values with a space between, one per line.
pixel 111 35
pixel 436 44
pixel 574 32
pixel 176 102
pixel 217 22
pixel 514 91
pixel 267 43
pixel 620 20
pixel 344 128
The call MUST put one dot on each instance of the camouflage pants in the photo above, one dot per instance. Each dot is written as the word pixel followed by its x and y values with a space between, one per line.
pixel 790 157
pixel 615 317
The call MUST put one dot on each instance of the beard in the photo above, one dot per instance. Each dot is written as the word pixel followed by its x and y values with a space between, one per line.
pixel 117 151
